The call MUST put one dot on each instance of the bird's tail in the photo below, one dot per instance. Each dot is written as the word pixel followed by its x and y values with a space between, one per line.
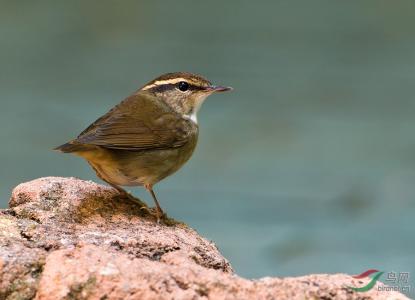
pixel 70 147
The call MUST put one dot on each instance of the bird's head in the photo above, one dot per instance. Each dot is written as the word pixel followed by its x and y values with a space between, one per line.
pixel 184 92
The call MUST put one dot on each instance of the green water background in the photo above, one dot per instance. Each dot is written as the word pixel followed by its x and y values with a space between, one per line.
pixel 307 167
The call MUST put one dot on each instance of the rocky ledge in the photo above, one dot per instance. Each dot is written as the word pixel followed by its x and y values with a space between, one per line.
pixel 65 238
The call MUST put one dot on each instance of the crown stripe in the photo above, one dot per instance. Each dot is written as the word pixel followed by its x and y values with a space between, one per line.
pixel 163 82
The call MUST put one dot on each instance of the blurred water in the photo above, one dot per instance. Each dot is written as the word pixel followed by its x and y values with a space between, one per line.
pixel 307 167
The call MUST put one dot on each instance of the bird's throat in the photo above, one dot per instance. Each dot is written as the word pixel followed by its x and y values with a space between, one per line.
pixel 192 115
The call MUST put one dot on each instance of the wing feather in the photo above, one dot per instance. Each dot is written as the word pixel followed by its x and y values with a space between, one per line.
pixel 140 122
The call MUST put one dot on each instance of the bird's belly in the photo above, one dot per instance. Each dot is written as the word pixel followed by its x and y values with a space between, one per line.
pixel 131 168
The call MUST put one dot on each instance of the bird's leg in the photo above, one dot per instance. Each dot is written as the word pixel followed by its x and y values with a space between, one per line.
pixel 127 195
pixel 159 211
pixel 123 192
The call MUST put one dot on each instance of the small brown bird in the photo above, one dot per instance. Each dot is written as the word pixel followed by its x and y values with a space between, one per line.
pixel 148 136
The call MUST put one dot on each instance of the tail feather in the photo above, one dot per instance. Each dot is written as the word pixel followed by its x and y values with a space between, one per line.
pixel 70 147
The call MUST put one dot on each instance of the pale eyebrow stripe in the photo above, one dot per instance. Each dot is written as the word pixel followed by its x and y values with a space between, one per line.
pixel 161 82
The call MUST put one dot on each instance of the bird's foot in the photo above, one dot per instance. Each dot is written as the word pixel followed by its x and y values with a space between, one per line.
pixel 159 215
pixel 147 209
pixel 155 212
pixel 126 195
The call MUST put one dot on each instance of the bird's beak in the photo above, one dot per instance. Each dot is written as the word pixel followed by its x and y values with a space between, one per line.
pixel 218 88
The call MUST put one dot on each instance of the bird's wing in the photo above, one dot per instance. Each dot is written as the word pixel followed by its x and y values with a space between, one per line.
pixel 140 122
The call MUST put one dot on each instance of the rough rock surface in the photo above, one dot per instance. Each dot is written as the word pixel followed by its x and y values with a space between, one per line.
pixel 64 238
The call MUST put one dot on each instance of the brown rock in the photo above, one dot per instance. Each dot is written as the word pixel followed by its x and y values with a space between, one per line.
pixel 64 238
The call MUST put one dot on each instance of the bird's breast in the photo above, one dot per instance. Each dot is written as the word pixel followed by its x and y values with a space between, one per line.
pixel 130 168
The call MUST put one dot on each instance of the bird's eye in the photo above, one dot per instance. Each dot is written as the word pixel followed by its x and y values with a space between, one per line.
pixel 183 86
